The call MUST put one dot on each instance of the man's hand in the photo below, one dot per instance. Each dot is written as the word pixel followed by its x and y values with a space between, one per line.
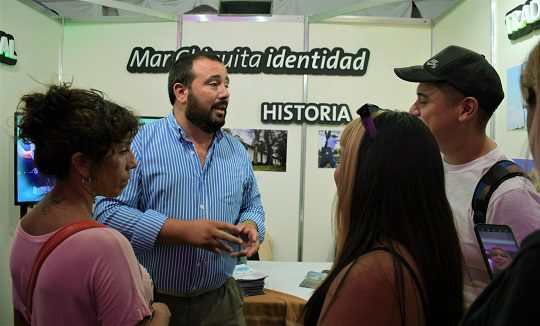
pixel 250 239
pixel 205 234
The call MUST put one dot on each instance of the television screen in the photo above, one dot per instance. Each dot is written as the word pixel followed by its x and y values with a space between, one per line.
pixel 30 185
pixel 147 119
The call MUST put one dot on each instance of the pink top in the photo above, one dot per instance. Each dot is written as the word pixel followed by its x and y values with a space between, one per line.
pixel 92 278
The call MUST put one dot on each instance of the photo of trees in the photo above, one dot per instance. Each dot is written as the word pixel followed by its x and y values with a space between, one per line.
pixel 266 148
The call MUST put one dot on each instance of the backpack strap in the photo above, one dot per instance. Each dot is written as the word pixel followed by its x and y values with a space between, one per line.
pixel 497 174
pixel 47 248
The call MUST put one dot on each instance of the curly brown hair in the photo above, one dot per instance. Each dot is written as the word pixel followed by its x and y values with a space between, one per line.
pixel 64 120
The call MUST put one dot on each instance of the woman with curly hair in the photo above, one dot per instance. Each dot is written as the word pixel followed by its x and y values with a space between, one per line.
pixel 93 277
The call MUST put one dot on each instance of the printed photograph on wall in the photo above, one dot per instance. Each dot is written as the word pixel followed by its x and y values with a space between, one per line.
pixel 266 148
pixel 531 169
pixel 516 115
pixel 329 149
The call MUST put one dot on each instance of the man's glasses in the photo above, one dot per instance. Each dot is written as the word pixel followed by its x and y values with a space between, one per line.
pixel 365 112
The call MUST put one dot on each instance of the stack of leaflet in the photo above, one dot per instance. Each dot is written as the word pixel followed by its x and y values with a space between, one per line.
pixel 313 279
pixel 251 281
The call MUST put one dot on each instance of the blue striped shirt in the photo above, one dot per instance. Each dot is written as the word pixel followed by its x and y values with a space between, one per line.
pixel 170 183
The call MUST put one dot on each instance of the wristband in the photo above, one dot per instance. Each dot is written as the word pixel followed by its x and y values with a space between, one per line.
pixel 251 223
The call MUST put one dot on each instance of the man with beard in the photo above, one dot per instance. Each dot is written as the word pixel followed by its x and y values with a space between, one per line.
pixel 192 188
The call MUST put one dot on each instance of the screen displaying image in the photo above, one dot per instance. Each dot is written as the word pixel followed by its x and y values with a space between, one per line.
pixel 145 119
pixel 500 248
pixel 30 185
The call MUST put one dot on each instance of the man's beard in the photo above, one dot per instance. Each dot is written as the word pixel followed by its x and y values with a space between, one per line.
pixel 201 117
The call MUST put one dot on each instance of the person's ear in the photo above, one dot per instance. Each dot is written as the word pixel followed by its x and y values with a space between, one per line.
pixel 181 92
pixel 82 164
pixel 468 108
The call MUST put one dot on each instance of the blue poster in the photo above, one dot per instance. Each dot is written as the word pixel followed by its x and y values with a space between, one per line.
pixel 517 111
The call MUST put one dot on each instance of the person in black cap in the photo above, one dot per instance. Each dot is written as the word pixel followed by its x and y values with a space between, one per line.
pixel 457 94
pixel 512 297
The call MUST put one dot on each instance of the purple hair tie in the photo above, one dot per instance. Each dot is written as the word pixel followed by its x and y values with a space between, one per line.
pixel 365 112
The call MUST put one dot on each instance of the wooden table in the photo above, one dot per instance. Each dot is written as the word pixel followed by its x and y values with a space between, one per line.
pixel 273 308
pixel 284 300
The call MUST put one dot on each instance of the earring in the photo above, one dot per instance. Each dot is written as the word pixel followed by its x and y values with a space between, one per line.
pixel 86 180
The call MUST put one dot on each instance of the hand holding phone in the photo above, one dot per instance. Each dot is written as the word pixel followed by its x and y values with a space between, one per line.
pixel 498 246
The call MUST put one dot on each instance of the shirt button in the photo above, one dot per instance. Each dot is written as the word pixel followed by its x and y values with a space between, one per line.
pixel 192 153
pixel 201 206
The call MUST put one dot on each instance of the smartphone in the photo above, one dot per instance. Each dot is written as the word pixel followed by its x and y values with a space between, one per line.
pixel 498 246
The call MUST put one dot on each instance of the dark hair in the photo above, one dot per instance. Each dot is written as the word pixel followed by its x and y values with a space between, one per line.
pixel 453 95
pixel 181 70
pixel 397 195
pixel 64 121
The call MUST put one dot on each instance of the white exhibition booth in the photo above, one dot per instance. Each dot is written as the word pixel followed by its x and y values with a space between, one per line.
pixel 299 201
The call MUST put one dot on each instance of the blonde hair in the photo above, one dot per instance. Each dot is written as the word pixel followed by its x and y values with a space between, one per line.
pixel 502 251
pixel 530 76
pixel 530 82
pixel 350 142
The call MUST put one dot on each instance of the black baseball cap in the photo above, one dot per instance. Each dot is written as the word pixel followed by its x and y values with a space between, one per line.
pixel 466 70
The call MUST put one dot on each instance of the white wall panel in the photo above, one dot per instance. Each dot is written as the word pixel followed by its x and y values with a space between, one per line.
pixel 467 25
pixel 510 54
pixel 37 43
pixel 390 46
pixel 96 56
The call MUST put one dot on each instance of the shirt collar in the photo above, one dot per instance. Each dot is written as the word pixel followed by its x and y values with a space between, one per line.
pixel 171 121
